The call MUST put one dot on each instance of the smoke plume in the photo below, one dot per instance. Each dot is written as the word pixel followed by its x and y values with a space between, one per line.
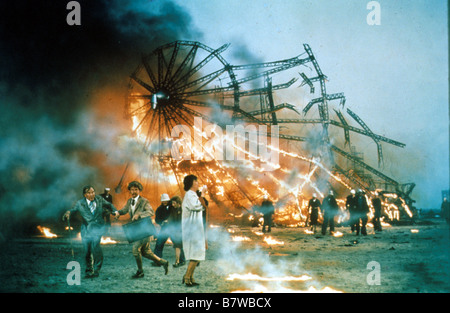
pixel 57 130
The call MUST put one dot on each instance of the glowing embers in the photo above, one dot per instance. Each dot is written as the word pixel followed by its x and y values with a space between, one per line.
pixel 136 120
pixel 240 238
pixel 276 284
pixel 107 241
pixel 384 224
pixel 269 240
pixel 46 232
pixel 228 186
pixel 310 289
pixel 254 277
pixel 184 98
pixel 103 240
pixel 259 263
pixel 272 241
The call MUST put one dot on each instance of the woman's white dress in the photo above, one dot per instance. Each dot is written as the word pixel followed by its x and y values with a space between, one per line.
pixel 192 227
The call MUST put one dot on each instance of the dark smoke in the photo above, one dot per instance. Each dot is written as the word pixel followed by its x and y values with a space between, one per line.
pixel 51 141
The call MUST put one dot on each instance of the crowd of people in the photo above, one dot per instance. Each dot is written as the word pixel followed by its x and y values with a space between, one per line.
pixel 358 210
pixel 184 222
pixel 356 204
pixel 181 220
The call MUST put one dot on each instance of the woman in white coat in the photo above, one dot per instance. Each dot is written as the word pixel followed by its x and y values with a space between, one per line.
pixel 192 228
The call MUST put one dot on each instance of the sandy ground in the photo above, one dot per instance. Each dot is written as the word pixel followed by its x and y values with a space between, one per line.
pixel 409 262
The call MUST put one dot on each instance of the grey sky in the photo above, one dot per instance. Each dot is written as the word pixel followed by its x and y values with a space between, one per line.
pixel 394 75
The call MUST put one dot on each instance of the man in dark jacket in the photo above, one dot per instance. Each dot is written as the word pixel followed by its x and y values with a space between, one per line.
pixel 313 210
pixel 267 209
pixel 161 216
pixel 107 195
pixel 445 210
pixel 107 216
pixel 176 230
pixel 330 209
pixel 350 204
pixel 92 209
pixel 362 209
pixel 376 202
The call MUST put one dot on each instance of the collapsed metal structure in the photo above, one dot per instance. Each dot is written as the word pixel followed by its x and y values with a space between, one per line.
pixel 183 80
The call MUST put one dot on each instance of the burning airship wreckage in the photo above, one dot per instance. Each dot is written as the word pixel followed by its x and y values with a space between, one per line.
pixel 249 131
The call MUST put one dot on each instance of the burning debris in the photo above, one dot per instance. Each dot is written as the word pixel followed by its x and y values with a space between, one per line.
pixel 193 112
pixel 296 138
pixel 107 241
pixel 240 238
pixel 254 277
pixel 311 289
pixel 251 263
pixel 271 241
pixel 46 232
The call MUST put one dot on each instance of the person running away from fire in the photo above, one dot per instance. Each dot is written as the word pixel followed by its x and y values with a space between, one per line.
pixel 92 209
pixel 139 207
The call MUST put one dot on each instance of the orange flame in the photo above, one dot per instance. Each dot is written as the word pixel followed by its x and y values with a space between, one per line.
pixel 254 277
pixel 107 241
pixel 46 232
pixel 311 289
pixel 271 241
pixel 240 238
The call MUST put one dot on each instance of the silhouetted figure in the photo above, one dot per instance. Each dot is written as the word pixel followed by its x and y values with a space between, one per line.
pixel 330 209
pixel 376 202
pixel 107 215
pixel 313 210
pixel 362 209
pixel 445 211
pixel 350 204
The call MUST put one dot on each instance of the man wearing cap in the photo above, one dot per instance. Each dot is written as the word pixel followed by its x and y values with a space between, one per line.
pixel 107 215
pixel 161 216
pixel 139 207
pixel 107 195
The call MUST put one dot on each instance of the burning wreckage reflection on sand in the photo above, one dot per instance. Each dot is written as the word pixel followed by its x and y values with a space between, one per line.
pixel 183 82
